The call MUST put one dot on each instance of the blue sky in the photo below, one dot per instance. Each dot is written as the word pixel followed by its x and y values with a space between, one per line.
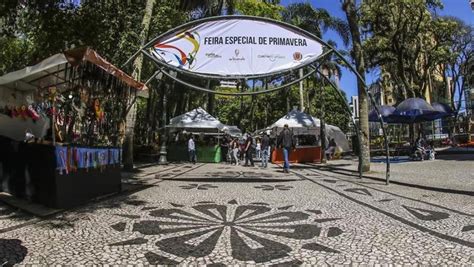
pixel 456 8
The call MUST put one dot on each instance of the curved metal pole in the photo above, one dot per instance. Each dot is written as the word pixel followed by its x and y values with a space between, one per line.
pixel 147 82
pixel 348 109
pixel 132 57
pixel 287 25
pixel 153 76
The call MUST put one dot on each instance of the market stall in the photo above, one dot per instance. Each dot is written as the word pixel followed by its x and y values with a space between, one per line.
pixel 62 127
pixel 306 130
pixel 207 131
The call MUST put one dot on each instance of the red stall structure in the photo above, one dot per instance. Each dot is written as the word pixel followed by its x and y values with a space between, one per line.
pixel 306 130
pixel 62 124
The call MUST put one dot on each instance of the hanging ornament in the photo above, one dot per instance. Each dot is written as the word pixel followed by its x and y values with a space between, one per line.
pixel 23 112
pixel 52 93
pixel 99 113
pixel 15 112
pixel 32 113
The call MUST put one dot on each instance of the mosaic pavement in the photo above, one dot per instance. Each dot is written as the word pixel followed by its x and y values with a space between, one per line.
pixel 226 215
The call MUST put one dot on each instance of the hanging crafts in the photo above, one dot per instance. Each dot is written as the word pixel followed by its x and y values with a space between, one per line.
pixel 99 114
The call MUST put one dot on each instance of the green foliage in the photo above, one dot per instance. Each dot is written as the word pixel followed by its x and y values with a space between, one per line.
pixel 406 40
pixel 13 53
pixel 254 112
pixel 260 9
pixel 315 21
pixel 332 106
pixel 268 108
pixel 112 28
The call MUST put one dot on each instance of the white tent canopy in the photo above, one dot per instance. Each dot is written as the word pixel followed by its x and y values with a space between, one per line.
pixel 196 119
pixel 340 138
pixel 39 75
pixel 299 121
pixel 304 124
pixel 232 130
pixel 52 72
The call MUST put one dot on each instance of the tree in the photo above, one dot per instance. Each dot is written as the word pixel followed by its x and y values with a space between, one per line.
pixel 267 9
pixel 208 8
pixel 137 69
pixel 456 71
pixel 315 20
pixel 407 40
pixel 349 7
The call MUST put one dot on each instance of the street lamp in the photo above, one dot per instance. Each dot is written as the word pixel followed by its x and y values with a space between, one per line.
pixel 163 150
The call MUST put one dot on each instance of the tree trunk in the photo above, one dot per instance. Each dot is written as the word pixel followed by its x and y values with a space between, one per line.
pixel 349 7
pixel 266 103
pixel 241 111
pixel 288 100
pixel 301 92
pixel 322 126
pixel 211 99
pixel 137 67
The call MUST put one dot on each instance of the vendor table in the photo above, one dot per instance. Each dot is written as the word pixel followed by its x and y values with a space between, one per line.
pixel 36 171
pixel 299 155
pixel 207 154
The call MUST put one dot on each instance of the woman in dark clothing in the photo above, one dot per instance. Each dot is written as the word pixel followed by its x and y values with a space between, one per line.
pixel 249 151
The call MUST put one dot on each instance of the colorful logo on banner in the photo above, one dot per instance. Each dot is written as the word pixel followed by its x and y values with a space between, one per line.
pixel 182 58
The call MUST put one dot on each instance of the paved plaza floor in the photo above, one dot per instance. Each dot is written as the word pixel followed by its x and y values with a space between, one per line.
pixel 219 215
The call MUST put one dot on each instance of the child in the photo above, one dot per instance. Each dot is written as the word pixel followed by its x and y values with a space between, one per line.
pixel 431 151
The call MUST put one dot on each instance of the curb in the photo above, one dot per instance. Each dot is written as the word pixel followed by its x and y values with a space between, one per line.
pixel 425 187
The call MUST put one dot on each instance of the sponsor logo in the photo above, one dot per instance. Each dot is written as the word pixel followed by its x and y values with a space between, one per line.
pixel 271 57
pixel 236 57
pixel 213 55
pixel 297 56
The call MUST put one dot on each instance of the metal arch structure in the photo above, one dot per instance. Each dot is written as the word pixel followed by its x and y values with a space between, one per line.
pixel 165 69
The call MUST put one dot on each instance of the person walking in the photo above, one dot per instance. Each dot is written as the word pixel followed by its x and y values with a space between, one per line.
pixel 242 144
pixel 235 151
pixel 192 150
pixel 249 151
pixel 258 149
pixel 265 147
pixel 225 149
pixel 286 141
pixel 331 150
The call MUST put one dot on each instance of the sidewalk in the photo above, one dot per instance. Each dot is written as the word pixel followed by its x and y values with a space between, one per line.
pixel 452 173
pixel 455 150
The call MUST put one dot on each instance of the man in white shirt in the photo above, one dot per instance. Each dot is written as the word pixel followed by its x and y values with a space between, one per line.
pixel 192 150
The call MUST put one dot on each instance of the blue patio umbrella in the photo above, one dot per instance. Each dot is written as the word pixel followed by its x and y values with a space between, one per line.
pixel 384 110
pixel 444 110
pixel 414 110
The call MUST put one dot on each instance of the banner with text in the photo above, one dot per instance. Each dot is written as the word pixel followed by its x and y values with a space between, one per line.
pixel 237 47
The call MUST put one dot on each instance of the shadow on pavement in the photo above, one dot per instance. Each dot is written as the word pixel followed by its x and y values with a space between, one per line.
pixel 11 252
pixel 456 157
pixel 232 180
pixel 354 173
